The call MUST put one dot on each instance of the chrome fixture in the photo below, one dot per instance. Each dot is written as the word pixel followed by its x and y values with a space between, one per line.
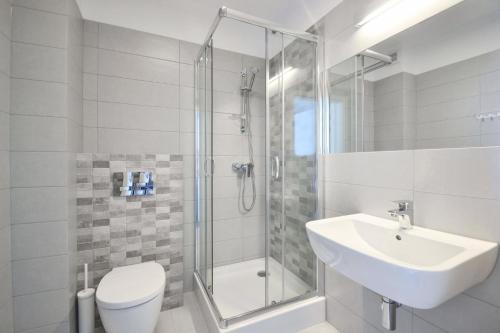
pixel 247 80
pixel 133 183
pixel 404 214
pixel 388 307
pixel 246 170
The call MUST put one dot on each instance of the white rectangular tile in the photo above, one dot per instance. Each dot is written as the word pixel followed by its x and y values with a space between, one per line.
pixel 136 141
pixel 137 92
pixel 188 52
pixel 138 67
pixel 469 172
pixel 124 116
pixel 39 27
pixel 351 199
pixel 33 133
pixel 41 274
pixel 39 204
pixel 384 169
pixel 136 42
pixel 38 169
pixel 41 309
pixel 38 98
pixel 38 63
pixel 54 6
pixel 463 314
pixel 39 239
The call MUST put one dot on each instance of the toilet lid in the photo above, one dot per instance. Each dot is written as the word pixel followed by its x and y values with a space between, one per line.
pixel 129 286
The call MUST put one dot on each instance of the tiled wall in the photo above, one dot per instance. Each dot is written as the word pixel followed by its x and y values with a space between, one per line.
pixel 6 307
pixel 138 98
pixel 46 117
pixel 117 231
pixel 394 110
pixel 453 190
pixel 448 98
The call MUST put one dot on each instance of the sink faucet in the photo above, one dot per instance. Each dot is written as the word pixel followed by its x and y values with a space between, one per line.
pixel 404 213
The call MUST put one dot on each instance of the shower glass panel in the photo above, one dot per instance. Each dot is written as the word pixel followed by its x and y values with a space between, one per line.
pixel 256 168
pixel 203 165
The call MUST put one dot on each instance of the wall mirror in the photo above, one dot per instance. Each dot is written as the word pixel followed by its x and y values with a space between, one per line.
pixel 434 85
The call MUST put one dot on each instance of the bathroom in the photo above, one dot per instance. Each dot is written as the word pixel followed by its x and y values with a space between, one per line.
pixel 255 167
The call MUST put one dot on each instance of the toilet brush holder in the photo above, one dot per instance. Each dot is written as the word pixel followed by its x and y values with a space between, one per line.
pixel 86 310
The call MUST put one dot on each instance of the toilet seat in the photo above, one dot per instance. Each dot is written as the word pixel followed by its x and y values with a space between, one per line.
pixel 129 286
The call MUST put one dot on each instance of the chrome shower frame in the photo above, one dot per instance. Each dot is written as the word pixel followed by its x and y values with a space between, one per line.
pixel 225 12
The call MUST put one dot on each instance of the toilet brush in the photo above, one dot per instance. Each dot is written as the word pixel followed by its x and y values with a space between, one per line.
pixel 86 306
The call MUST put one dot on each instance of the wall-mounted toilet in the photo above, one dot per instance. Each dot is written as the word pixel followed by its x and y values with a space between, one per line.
pixel 129 298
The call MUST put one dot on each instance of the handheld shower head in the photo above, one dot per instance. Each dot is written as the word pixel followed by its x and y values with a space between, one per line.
pixel 247 73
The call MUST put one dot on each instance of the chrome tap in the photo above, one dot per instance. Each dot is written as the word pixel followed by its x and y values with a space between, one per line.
pixel 404 214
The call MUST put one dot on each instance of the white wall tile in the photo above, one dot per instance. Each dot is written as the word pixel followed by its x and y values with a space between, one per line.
pixel 4 55
pixel 137 92
pixel 90 140
pixel 463 314
pixel 5 161
pixel 38 63
pixel 5 214
pixel 134 141
pixel 351 199
pixel 188 52
pixel 384 169
pixel 135 42
pixel 39 204
pixel 31 311
pixel 38 98
pixel 41 274
pixel 113 115
pixel 38 169
pixel 54 6
pixel 469 172
pixel 90 60
pixel 39 27
pixel 4 130
pixel 30 133
pixel 36 240
pixel 138 67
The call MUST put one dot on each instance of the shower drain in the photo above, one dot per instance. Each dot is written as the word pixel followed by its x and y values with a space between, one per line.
pixel 261 273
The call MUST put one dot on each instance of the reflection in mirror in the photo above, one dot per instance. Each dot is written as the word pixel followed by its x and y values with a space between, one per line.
pixel 435 85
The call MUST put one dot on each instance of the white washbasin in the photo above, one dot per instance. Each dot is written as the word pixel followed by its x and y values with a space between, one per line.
pixel 422 269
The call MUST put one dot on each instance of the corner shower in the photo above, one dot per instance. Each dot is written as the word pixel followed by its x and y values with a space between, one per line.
pixel 256 170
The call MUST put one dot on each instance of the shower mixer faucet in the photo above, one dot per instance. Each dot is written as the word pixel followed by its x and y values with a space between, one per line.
pixel 243 168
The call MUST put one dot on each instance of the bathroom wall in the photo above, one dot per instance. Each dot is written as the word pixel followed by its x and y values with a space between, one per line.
pixel 138 98
pixel 6 306
pixel 117 231
pixel 394 111
pixel 448 98
pixel 45 133
pixel 453 190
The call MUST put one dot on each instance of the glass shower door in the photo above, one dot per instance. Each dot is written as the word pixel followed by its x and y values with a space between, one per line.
pixel 293 167
pixel 204 165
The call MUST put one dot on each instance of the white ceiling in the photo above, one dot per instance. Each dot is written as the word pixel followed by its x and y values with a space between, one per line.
pixel 190 19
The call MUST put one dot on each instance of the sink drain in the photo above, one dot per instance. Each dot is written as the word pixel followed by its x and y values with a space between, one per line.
pixel 261 273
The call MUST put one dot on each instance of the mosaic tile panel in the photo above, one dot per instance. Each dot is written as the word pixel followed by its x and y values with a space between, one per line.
pixel 118 231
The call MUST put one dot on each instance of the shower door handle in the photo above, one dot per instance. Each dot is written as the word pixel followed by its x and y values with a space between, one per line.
pixel 276 168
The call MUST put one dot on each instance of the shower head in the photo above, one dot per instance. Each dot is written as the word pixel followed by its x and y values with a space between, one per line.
pixel 247 84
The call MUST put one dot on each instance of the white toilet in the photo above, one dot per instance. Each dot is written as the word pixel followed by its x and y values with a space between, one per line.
pixel 129 298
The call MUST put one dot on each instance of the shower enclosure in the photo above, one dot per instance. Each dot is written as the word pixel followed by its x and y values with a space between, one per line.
pixel 256 123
